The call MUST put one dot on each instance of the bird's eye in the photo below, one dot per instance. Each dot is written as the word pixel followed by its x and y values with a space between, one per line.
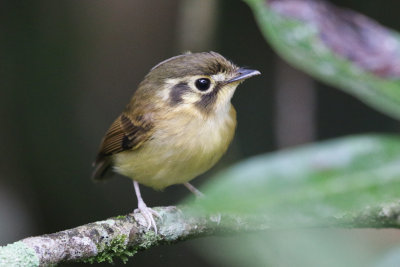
pixel 203 84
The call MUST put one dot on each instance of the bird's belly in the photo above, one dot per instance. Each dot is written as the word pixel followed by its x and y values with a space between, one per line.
pixel 175 158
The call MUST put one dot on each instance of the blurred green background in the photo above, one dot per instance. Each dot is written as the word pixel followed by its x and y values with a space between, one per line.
pixel 69 67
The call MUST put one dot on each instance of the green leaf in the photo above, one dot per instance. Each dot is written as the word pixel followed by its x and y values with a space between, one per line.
pixel 390 258
pixel 353 52
pixel 293 247
pixel 311 185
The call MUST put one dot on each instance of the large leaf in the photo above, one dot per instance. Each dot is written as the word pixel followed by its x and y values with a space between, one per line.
pixel 298 247
pixel 338 46
pixel 312 185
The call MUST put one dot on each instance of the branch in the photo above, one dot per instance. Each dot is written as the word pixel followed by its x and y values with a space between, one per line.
pixel 123 236
pixel 119 237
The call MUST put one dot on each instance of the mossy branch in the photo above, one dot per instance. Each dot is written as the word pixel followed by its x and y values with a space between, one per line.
pixel 118 237
pixel 123 236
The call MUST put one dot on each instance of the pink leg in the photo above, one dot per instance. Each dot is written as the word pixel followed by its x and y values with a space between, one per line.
pixel 144 210
pixel 194 190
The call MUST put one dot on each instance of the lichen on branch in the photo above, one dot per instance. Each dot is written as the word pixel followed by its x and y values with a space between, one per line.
pixel 123 236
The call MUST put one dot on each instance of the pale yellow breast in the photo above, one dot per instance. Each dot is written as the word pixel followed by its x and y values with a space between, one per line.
pixel 181 148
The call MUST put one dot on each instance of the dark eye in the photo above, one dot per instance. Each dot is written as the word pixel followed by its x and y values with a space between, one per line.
pixel 203 84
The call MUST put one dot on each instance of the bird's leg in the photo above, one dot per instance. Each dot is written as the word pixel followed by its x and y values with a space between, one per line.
pixel 144 210
pixel 194 190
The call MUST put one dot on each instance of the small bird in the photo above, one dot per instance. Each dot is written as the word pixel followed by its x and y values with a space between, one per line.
pixel 178 124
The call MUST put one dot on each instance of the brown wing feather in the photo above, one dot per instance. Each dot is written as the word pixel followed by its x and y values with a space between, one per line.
pixel 126 133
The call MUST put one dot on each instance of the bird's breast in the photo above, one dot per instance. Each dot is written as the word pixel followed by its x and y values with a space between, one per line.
pixel 181 148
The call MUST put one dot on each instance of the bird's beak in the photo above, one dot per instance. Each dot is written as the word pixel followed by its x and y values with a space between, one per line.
pixel 244 74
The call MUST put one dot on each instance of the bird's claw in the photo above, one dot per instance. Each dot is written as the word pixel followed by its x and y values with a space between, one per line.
pixel 145 211
pixel 147 214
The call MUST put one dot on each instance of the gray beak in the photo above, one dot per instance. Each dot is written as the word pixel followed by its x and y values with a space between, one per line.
pixel 244 74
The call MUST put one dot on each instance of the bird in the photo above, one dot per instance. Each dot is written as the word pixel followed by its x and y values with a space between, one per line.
pixel 177 125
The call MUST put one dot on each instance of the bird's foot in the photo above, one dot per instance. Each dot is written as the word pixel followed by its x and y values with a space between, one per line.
pixel 148 214
pixel 194 190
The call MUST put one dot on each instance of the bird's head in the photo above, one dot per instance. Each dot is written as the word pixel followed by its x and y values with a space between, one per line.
pixel 201 82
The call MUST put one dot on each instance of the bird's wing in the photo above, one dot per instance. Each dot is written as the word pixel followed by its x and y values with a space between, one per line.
pixel 126 133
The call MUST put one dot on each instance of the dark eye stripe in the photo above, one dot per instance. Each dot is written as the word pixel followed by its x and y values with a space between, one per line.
pixel 207 101
pixel 175 96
